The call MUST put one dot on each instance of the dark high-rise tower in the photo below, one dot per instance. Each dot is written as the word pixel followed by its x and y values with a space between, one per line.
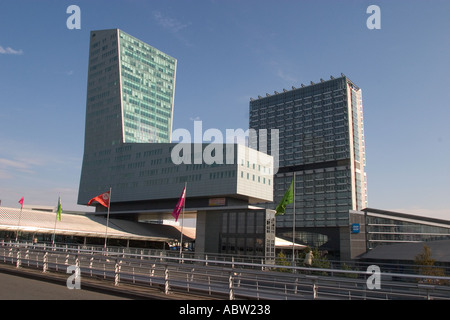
pixel 321 140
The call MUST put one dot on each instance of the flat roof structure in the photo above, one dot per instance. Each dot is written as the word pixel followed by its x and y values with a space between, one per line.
pixel 387 227
pixel 141 173
pixel 36 221
pixel 408 251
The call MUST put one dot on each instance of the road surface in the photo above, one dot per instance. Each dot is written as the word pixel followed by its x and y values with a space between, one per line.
pixel 14 287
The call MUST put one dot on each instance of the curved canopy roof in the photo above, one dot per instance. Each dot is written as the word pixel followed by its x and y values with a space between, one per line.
pixel 85 225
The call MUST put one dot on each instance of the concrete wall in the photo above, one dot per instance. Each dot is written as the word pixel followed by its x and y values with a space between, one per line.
pixel 209 224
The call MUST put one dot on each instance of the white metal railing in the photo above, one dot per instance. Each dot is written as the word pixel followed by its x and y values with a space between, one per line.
pixel 225 278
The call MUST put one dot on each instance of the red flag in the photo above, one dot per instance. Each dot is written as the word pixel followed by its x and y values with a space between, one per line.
pixel 179 206
pixel 21 203
pixel 103 199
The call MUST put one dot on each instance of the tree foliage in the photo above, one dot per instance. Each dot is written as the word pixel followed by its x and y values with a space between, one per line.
pixel 425 265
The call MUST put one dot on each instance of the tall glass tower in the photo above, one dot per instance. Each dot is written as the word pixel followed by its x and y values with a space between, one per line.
pixel 130 97
pixel 130 91
pixel 321 141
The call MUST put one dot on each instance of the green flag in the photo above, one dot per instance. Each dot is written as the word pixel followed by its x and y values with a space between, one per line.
pixel 59 210
pixel 287 199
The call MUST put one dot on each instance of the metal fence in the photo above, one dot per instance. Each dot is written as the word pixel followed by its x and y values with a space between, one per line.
pixel 220 277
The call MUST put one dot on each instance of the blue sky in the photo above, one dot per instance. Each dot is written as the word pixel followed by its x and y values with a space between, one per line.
pixel 227 52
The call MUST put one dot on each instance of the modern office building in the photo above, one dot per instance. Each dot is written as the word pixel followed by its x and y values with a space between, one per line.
pixel 387 235
pixel 145 176
pixel 383 227
pixel 321 141
pixel 146 184
pixel 128 148
pixel 130 92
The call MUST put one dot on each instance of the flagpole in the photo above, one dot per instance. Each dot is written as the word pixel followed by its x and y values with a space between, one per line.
pixel 20 217
pixel 182 221
pixel 107 217
pixel 56 219
pixel 293 228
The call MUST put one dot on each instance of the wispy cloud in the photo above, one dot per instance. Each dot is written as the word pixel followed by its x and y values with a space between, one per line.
pixel 286 77
pixel 7 166
pixel 9 50
pixel 168 23
pixel 174 26
pixel 20 159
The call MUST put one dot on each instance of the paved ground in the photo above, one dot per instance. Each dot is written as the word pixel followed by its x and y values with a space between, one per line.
pixel 14 287
pixel 32 284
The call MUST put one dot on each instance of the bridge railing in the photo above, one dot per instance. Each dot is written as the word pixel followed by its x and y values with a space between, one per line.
pixel 225 278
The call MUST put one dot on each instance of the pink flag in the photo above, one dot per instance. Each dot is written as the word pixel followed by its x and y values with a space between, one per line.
pixel 180 204
pixel 21 203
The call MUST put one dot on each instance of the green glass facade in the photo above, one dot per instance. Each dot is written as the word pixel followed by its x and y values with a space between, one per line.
pixel 148 86
pixel 130 95
pixel 130 91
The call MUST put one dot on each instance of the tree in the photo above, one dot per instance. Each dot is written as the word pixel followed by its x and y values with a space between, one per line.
pixel 282 261
pixel 425 265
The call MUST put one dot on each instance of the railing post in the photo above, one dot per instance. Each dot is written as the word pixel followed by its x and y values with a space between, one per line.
pixel 230 286
pixel 192 274
pixel 45 262
pixel 18 262
pixel 166 280
pixel 152 272
pixel 427 288
pixel 117 273
pixel 91 262
pixel 187 282
pixel 315 289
